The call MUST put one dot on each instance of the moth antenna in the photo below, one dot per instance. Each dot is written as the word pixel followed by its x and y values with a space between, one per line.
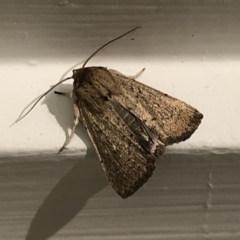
pixel 113 40
pixel 103 46
pixel 44 94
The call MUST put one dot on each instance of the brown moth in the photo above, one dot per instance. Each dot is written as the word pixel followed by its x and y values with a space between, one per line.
pixel 129 123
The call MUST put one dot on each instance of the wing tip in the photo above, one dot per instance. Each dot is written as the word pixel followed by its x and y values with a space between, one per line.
pixel 193 124
pixel 191 127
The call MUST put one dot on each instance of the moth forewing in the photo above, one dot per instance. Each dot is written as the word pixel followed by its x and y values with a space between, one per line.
pixel 129 124
pixel 169 118
pixel 126 147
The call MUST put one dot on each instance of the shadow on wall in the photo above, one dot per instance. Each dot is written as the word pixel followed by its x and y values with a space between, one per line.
pixel 67 198
pixel 72 192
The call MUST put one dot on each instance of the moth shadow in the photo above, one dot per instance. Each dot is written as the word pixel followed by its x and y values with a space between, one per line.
pixel 67 198
pixel 61 107
pixel 72 192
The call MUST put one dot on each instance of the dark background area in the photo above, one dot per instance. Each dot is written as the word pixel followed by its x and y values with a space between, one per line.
pixel 71 28
pixel 188 197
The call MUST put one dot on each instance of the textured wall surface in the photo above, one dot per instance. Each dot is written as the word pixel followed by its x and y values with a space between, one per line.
pixel 190 50
pixel 188 197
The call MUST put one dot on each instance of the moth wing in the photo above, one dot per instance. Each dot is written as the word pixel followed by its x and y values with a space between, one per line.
pixel 171 119
pixel 127 164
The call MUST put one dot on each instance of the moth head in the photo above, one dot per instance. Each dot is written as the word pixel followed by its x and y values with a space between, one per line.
pixel 75 71
pixel 77 74
pixel 80 76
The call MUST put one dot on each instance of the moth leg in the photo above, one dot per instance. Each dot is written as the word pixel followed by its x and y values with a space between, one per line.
pixel 137 75
pixel 76 121
pixel 64 94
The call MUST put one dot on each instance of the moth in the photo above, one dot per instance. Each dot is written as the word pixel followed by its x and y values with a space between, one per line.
pixel 129 123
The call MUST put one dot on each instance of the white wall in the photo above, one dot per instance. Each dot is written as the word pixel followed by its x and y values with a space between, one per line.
pixel 189 48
